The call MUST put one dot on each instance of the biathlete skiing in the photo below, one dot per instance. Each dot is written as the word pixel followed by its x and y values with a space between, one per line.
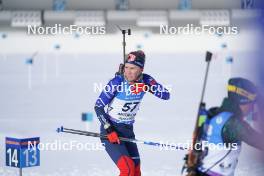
pixel 117 107
pixel 226 125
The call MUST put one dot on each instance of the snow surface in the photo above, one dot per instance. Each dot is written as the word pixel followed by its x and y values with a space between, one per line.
pixel 55 101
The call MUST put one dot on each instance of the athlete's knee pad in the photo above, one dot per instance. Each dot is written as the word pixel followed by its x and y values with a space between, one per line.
pixel 126 166
pixel 137 170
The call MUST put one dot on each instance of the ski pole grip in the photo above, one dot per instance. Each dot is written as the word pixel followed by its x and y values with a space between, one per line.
pixel 60 129
pixel 208 56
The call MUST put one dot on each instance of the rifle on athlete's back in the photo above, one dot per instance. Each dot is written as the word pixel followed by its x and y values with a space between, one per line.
pixel 193 158
pixel 121 66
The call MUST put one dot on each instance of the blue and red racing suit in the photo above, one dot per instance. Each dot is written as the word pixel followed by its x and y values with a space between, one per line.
pixel 122 100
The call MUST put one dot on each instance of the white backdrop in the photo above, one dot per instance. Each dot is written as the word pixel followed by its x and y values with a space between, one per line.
pixel 59 97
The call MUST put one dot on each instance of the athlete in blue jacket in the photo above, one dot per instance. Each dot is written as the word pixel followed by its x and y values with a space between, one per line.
pixel 122 96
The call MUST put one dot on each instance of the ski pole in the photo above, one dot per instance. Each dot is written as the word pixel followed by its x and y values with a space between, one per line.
pixel 93 134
